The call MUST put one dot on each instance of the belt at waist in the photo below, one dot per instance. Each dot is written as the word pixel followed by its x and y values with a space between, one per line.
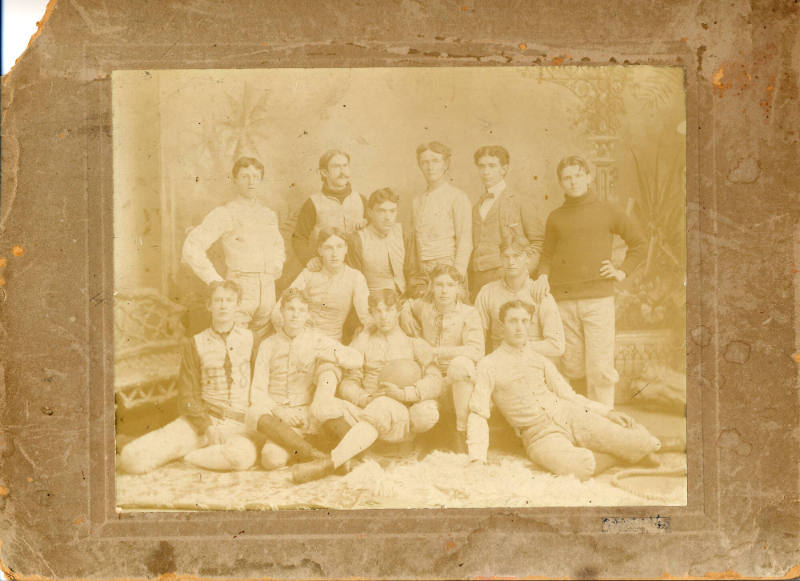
pixel 226 414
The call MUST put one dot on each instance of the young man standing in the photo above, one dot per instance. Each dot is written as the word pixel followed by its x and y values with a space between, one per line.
pixel 561 431
pixel 379 250
pixel 442 216
pixel 576 267
pixel 454 331
pixel 219 411
pixel 390 412
pixel 499 217
pixel 337 205
pixel 546 335
pixel 298 369
pixel 251 241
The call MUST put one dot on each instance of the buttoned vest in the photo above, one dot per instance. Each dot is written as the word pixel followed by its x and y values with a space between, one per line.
pixel 372 254
pixel 502 224
pixel 211 348
pixel 344 215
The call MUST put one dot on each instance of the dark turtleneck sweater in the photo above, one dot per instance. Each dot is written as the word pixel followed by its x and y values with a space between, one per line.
pixel 578 238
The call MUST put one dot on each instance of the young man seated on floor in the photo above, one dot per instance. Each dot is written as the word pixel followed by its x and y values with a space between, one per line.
pixel 562 432
pixel 297 368
pixel 454 331
pixel 392 411
pixel 217 426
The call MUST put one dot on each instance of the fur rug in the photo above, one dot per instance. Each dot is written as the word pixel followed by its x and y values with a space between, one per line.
pixel 439 480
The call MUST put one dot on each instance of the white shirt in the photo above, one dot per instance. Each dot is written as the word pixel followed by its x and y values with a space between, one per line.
pixel 487 204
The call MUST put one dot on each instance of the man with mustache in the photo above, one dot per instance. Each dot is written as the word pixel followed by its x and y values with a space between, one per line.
pixel 337 205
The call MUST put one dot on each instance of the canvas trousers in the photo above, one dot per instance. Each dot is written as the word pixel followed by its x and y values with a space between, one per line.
pixel 258 297
pixel 578 433
pixel 589 333
pixel 225 446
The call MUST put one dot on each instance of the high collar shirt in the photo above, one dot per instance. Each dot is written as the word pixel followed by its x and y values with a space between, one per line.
pixel 443 225
pixel 251 241
pixel 491 197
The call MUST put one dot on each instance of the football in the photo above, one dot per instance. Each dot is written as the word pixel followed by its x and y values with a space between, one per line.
pixel 401 372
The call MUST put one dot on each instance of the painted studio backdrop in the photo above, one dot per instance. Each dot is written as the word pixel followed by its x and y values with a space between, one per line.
pixel 178 133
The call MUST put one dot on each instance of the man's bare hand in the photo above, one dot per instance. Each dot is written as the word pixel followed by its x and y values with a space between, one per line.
pixel 326 408
pixel 623 420
pixel 360 224
pixel 314 264
pixel 409 324
pixel 540 288
pixel 608 270
pixel 293 417
pixel 392 390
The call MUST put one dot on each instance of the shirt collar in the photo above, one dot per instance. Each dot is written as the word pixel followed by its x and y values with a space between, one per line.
pixel 513 350
pixel 497 189
pixel 377 232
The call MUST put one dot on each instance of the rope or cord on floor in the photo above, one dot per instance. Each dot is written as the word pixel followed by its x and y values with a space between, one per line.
pixel 650 472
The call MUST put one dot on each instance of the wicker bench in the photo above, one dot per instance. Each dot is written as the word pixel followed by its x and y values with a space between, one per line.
pixel 147 337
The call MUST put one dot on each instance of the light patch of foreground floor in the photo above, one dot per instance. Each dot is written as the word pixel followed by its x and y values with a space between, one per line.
pixel 440 479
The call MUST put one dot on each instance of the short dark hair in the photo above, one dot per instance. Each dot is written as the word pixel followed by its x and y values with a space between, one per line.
pixel 382 195
pixel 447 269
pixel 326 157
pixel 570 161
pixel 244 162
pixel 435 147
pixel 228 284
pixel 514 244
pixel 329 232
pixel 515 304
pixel 498 151
pixel 292 294
pixel 387 296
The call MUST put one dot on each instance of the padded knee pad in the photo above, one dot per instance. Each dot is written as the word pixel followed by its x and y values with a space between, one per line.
pixel 461 369
pixel 273 456
pixel 423 416
pixel 132 461
pixel 240 452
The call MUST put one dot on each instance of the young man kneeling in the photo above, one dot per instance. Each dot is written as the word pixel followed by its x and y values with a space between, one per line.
pixel 561 430
pixel 392 412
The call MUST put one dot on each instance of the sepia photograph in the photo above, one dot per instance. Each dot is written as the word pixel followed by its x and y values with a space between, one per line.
pixel 404 287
